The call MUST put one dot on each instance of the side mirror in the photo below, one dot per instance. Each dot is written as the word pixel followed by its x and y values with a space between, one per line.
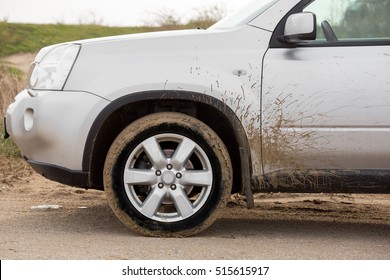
pixel 300 27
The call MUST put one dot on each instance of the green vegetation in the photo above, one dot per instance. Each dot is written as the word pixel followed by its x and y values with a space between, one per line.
pixel 11 82
pixel 7 147
pixel 29 38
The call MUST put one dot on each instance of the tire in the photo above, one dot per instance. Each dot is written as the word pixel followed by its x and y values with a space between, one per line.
pixel 167 175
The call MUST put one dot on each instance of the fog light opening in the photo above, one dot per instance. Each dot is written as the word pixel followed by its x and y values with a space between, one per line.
pixel 28 119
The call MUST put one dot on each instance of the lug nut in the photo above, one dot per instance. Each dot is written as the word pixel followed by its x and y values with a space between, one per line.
pixel 169 166
pixel 173 187
pixel 158 173
pixel 160 185
pixel 178 175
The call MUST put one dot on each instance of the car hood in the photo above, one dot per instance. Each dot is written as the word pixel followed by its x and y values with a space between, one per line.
pixel 142 36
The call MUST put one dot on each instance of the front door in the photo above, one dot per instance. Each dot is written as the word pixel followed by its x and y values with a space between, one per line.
pixel 326 103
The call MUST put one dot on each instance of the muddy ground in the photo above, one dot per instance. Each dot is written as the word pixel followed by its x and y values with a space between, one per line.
pixel 41 219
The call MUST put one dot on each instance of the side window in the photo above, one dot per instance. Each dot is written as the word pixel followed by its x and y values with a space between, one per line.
pixel 351 20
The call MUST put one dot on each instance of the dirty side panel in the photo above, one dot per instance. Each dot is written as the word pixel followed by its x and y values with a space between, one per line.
pixel 326 108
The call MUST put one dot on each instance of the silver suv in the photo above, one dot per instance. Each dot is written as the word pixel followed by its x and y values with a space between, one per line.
pixel 281 94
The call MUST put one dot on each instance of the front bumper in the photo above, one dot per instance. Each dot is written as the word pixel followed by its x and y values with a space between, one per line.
pixel 61 174
pixel 51 128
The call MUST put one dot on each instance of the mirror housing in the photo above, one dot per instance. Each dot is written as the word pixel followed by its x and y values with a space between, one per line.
pixel 300 27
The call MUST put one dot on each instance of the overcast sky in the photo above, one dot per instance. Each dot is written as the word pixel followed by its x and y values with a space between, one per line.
pixel 107 12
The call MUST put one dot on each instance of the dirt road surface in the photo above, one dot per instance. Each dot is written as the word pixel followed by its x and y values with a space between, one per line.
pixel 41 219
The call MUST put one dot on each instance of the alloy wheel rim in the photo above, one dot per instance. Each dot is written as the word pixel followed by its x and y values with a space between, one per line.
pixel 168 177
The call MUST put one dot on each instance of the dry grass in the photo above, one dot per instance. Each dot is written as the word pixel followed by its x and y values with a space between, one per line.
pixel 11 82
pixel 12 171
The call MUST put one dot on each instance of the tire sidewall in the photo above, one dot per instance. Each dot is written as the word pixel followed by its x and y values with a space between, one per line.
pixel 162 123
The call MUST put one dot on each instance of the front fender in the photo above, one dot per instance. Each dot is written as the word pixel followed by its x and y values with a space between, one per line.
pixel 196 98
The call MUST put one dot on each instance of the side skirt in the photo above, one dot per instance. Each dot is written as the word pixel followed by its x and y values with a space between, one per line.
pixel 347 181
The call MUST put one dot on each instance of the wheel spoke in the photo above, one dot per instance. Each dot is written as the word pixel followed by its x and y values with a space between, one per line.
pixel 140 177
pixel 183 153
pixel 154 152
pixel 182 203
pixel 153 202
pixel 197 178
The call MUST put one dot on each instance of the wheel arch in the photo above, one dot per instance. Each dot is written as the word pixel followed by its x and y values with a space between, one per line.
pixel 213 112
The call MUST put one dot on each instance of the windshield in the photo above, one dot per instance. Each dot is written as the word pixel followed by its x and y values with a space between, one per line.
pixel 244 15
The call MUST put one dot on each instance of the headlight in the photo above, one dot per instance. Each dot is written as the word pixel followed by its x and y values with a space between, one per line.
pixel 52 67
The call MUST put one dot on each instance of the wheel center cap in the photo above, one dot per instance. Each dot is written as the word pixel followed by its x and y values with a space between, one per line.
pixel 168 177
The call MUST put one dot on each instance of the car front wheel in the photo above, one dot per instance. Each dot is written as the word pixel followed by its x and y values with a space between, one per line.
pixel 167 174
